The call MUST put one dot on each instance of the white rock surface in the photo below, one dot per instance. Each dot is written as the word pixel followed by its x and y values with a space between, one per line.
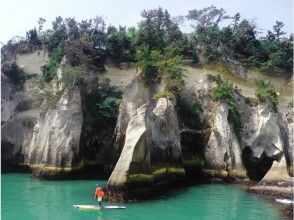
pixel 262 132
pixel 134 150
pixel 222 151
pixel 152 140
pixel 56 136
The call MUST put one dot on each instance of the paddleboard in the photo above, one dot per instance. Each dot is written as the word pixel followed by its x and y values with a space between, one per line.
pixel 285 201
pixel 95 207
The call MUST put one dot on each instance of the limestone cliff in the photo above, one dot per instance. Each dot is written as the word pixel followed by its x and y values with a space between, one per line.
pixel 264 139
pixel 222 150
pixel 135 95
pixel 152 150
pixel 56 136
pixel 19 111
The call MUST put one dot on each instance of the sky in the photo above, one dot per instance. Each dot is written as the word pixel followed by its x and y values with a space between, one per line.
pixel 18 16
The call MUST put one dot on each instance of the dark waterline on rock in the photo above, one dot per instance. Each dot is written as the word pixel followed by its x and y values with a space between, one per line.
pixel 24 198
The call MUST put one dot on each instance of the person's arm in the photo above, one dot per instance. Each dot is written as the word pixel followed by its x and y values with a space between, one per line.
pixel 95 193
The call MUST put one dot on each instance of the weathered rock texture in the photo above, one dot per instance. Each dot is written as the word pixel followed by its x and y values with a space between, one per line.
pixel 152 149
pixel 134 151
pixel 31 62
pixel 152 142
pixel 236 68
pixel 56 136
pixel 222 150
pixel 19 110
pixel 135 95
pixel 290 134
pixel 264 139
pixel 19 105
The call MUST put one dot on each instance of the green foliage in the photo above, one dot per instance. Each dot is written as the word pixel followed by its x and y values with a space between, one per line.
pixel 279 62
pixel 265 91
pixel 49 70
pixel 73 75
pixel 148 62
pixel 51 97
pixel 158 45
pixel 120 45
pixel 188 110
pixel 156 65
pixel 212 54
pixel 163 94
pixel 206 17
pixel 108 100
pixel 16 75
pixel 225 92
pixel 171 64
pixel 158 30
pixel 32 37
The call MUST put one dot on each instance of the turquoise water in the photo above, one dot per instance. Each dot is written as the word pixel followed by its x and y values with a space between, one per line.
pixel 26 198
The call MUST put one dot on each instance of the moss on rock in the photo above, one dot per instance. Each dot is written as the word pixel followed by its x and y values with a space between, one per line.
pixel 140 180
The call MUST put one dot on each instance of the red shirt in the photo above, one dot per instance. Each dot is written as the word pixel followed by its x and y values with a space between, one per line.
pixel 99 192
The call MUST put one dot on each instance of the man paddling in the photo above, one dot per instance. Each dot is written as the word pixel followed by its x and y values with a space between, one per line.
pixel 99 195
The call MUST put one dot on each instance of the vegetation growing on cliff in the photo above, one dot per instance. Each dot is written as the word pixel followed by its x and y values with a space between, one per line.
pixel 266 92
pixel 157 65
pixel 188 110
pixel 92 43
pixel 15 74
pixel 49 70
pixel 224 92
pixel 107 104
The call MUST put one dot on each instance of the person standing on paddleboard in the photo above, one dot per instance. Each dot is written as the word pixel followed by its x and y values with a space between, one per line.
pixel 99 195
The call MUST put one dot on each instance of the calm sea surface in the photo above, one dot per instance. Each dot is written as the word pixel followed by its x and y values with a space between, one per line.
pixel 25 198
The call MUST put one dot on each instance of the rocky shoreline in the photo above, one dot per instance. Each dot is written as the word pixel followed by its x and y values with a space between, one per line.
pixel 284 194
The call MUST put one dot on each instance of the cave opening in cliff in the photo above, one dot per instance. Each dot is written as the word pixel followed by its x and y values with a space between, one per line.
pixel 193 143
pixel 256 168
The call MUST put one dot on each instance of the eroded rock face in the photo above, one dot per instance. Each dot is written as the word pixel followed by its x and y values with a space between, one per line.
pixel 163 135
pixel 236 68
pixel 135 95
pixel 290 134
pixel 152 150
pixel 56 136
pixel 262 132
pixel 264 139
pixel 223 152
pixel 19 110
pixel 134 151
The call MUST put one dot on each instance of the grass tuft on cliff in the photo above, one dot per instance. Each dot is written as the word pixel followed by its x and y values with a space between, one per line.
pixel 266 92
pixel 224 92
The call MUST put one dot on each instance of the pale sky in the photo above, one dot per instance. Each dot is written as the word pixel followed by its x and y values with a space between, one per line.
pixel 17 16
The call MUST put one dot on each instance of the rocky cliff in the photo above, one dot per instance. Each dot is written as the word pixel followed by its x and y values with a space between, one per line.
pixel 155 142
pixel 265 138
pixel 42 130
pixel 152 152
pixel 56 136
pixel 19 110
